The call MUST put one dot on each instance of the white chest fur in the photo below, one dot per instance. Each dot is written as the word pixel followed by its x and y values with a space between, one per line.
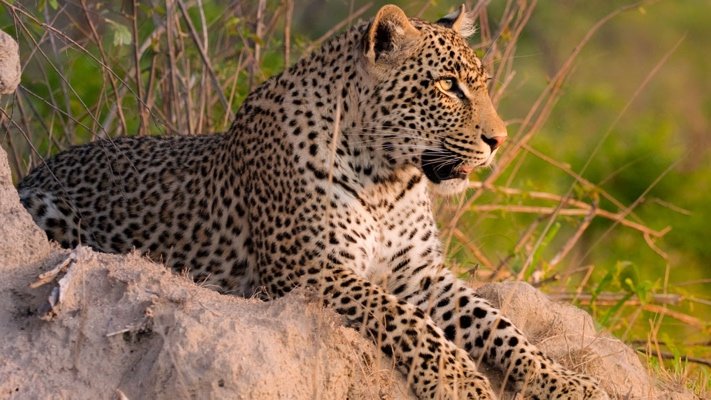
pixel 406 232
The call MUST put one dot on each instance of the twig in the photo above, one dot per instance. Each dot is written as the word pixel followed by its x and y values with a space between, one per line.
pixel 639 342
pixel 15 9
pixel 570 243
pixel 170 23
pixel 288 16
pixel 687 319
pixel 525 12
pixel 618 218
pixel 612 298
pixel 566 168
pixel 46 277
pixel 543 114
pixel 670 356
pixel 204 111
pixel 203 56
pixel 473 248
pixel 509 191
pixel 112 80
pixel 672 207
pixel 523 239
pixel 258 32
pixel 621 216
pixel 316 43
pixel 48 60
pixel 143 126
pixel 68 126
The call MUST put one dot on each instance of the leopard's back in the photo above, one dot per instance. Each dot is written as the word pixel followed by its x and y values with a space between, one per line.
pixel 161 196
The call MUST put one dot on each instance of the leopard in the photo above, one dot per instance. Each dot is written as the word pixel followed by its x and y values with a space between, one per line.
pixel 324 180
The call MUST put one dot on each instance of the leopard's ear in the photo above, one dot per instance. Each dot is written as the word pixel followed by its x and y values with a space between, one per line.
pixel 461 21
pixel 389 33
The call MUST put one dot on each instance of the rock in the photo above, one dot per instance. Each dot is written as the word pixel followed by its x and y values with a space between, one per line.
pixel 9 64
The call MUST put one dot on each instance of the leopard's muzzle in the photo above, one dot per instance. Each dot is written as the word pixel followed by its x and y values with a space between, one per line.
pixel 442 164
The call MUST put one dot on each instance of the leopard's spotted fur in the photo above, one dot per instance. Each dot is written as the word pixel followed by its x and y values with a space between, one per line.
pixel 323 180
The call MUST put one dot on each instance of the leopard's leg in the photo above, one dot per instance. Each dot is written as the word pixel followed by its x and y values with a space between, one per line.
pixel 472 323
pixel 435 367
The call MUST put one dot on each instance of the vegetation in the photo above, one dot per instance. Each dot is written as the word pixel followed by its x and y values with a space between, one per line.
pixel 600 197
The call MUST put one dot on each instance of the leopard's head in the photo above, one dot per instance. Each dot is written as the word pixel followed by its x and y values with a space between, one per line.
pixel 430 105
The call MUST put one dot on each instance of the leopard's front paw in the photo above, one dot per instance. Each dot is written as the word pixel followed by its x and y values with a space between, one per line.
pixel 563 384
pixel 457 378
pixel 475 386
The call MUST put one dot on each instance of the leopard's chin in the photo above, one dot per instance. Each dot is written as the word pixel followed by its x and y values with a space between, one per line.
pixel 446 171
pixel 450 187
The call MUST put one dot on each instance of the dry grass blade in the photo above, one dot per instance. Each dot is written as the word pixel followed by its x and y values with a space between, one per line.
pixel 203 55
pixel 110 76
pixel 142 128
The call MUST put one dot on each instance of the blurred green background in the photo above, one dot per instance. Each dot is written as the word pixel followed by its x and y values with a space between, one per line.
pixel 631 120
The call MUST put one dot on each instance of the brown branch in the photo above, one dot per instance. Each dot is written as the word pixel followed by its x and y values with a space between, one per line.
pixel 524 14
pixel 519 244
pixel 640 342
pixel 532 194
pixel 203 110
pixel 203 55
pixel 618 218
pixel 257 52
pixel 143 126
pixel 566 168
pixel 685 358
pixel 13 9
pixel 172 82
pixel 112 80
pixel 474 249
pixel 613 298
pixel 288 16
pixel 570 243
pixel 68 123
pixel 687 319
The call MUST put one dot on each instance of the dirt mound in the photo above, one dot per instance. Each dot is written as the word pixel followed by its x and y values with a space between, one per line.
pixel 10 69
pixel 125 325
pixel 568 334
pixel 108 326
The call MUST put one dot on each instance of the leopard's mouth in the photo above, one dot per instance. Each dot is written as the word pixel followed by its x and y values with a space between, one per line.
pixel 443 164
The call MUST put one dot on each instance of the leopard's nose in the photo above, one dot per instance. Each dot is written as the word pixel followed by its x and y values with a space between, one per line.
pixel 494 142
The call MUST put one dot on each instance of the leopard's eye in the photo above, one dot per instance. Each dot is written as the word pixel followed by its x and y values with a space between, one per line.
pixel 446 84
pixel 451 87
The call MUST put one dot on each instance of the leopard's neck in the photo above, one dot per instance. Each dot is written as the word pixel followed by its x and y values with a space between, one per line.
pixel 313 111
